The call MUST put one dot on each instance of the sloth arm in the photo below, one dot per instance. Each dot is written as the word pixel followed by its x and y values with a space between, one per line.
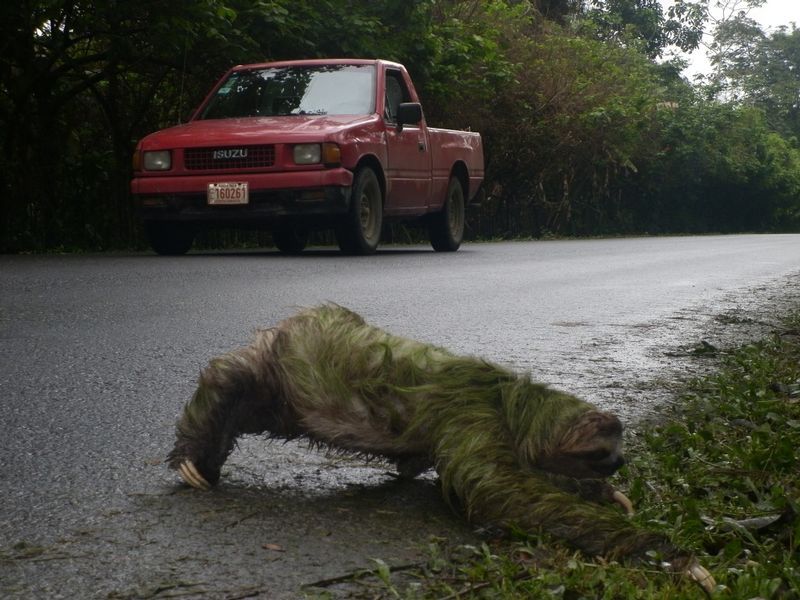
pixel 503 494
pixel 592 490
pixel 479 468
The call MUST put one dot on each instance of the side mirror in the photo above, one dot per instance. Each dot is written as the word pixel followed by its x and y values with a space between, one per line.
pixel 408 113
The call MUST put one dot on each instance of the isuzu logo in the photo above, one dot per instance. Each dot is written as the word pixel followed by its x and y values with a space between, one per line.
pixel 229 153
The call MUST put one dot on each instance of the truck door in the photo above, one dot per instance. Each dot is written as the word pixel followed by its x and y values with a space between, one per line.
pixel 409 157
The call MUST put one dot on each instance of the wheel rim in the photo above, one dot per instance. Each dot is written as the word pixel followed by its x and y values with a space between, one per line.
pixel 368 212
pixel 455 213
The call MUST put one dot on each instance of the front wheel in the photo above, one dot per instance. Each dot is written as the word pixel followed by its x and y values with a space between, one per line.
pixel 446 228
pixel 169 239
pixel 290 239
pixel 360 230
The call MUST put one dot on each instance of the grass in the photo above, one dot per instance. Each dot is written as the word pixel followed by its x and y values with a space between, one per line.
pixel 720 476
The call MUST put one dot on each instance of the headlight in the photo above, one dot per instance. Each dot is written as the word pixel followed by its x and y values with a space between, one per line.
pixel 307 154
pixel 157 161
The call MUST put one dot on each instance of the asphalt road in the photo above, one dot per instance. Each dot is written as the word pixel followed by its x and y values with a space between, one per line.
pixel 99 353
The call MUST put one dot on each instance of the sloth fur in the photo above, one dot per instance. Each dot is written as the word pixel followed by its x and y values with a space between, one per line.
pixel 508 451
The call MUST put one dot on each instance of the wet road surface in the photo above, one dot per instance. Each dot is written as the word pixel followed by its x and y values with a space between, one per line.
pixel 99 353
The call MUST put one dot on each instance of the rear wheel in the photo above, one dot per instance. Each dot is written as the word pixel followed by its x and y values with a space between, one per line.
pixel 446 228
pixel 290 239
pixel 169 239
pixel 360 230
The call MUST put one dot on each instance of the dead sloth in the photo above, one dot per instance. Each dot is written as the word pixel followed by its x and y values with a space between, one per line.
pixel 507 450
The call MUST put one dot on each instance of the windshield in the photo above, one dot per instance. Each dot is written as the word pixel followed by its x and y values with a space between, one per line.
pixel 284 91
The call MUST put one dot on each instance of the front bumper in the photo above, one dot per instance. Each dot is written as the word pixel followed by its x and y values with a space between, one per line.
pixel 307 196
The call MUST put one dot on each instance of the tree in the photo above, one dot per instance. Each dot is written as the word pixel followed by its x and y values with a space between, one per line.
pixel 713 167
pixel 642 24
pixel 558 10
pixel 761 70
pixel 78 81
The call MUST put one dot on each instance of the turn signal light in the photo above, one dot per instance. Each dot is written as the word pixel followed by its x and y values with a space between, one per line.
pixel 331 154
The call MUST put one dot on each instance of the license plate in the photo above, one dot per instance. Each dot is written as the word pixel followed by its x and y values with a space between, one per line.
pixel 228 192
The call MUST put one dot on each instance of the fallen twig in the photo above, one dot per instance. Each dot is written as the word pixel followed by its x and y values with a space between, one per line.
pixel 361 573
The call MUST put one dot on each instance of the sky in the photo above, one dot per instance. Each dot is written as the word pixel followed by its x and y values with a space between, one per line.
pixel 777 12
pixel 773 14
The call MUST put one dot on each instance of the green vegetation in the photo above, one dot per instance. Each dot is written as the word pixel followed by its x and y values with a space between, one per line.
pixel 588 130
pixel 719 476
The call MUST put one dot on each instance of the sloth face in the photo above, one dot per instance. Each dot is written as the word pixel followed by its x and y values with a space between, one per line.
pixel 589 448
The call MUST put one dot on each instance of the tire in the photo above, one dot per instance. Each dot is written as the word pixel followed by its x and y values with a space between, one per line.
pixel 360 230
pixel 446 228
pixel 169 239
pixel 290 239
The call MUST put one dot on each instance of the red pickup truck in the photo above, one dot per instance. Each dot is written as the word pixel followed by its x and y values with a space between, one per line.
pixel 301 145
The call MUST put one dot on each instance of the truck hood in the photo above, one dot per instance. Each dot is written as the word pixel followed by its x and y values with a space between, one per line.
pixel 253 130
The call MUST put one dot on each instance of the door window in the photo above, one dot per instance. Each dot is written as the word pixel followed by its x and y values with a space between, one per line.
pixel 396 92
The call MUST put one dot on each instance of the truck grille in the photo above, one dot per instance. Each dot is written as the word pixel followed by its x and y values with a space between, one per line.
pixel 205 159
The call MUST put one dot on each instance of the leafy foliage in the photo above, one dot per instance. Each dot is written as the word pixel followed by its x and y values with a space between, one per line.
pixel 760 70
pixel 737 174
pixel 727 468
pixel 643 24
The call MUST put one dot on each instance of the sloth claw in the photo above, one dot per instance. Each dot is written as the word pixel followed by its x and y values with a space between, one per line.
pixel 701 575
pixel 623 501
pixel 192 476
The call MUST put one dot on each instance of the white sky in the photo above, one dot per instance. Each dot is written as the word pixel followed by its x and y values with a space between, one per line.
pixel 773 14
pixel 777 12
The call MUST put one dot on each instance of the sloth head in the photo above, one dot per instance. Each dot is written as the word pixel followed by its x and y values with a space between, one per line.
pixel 590 447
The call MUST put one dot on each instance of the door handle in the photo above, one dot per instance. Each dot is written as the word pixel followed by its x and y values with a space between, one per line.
pixel 421 146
